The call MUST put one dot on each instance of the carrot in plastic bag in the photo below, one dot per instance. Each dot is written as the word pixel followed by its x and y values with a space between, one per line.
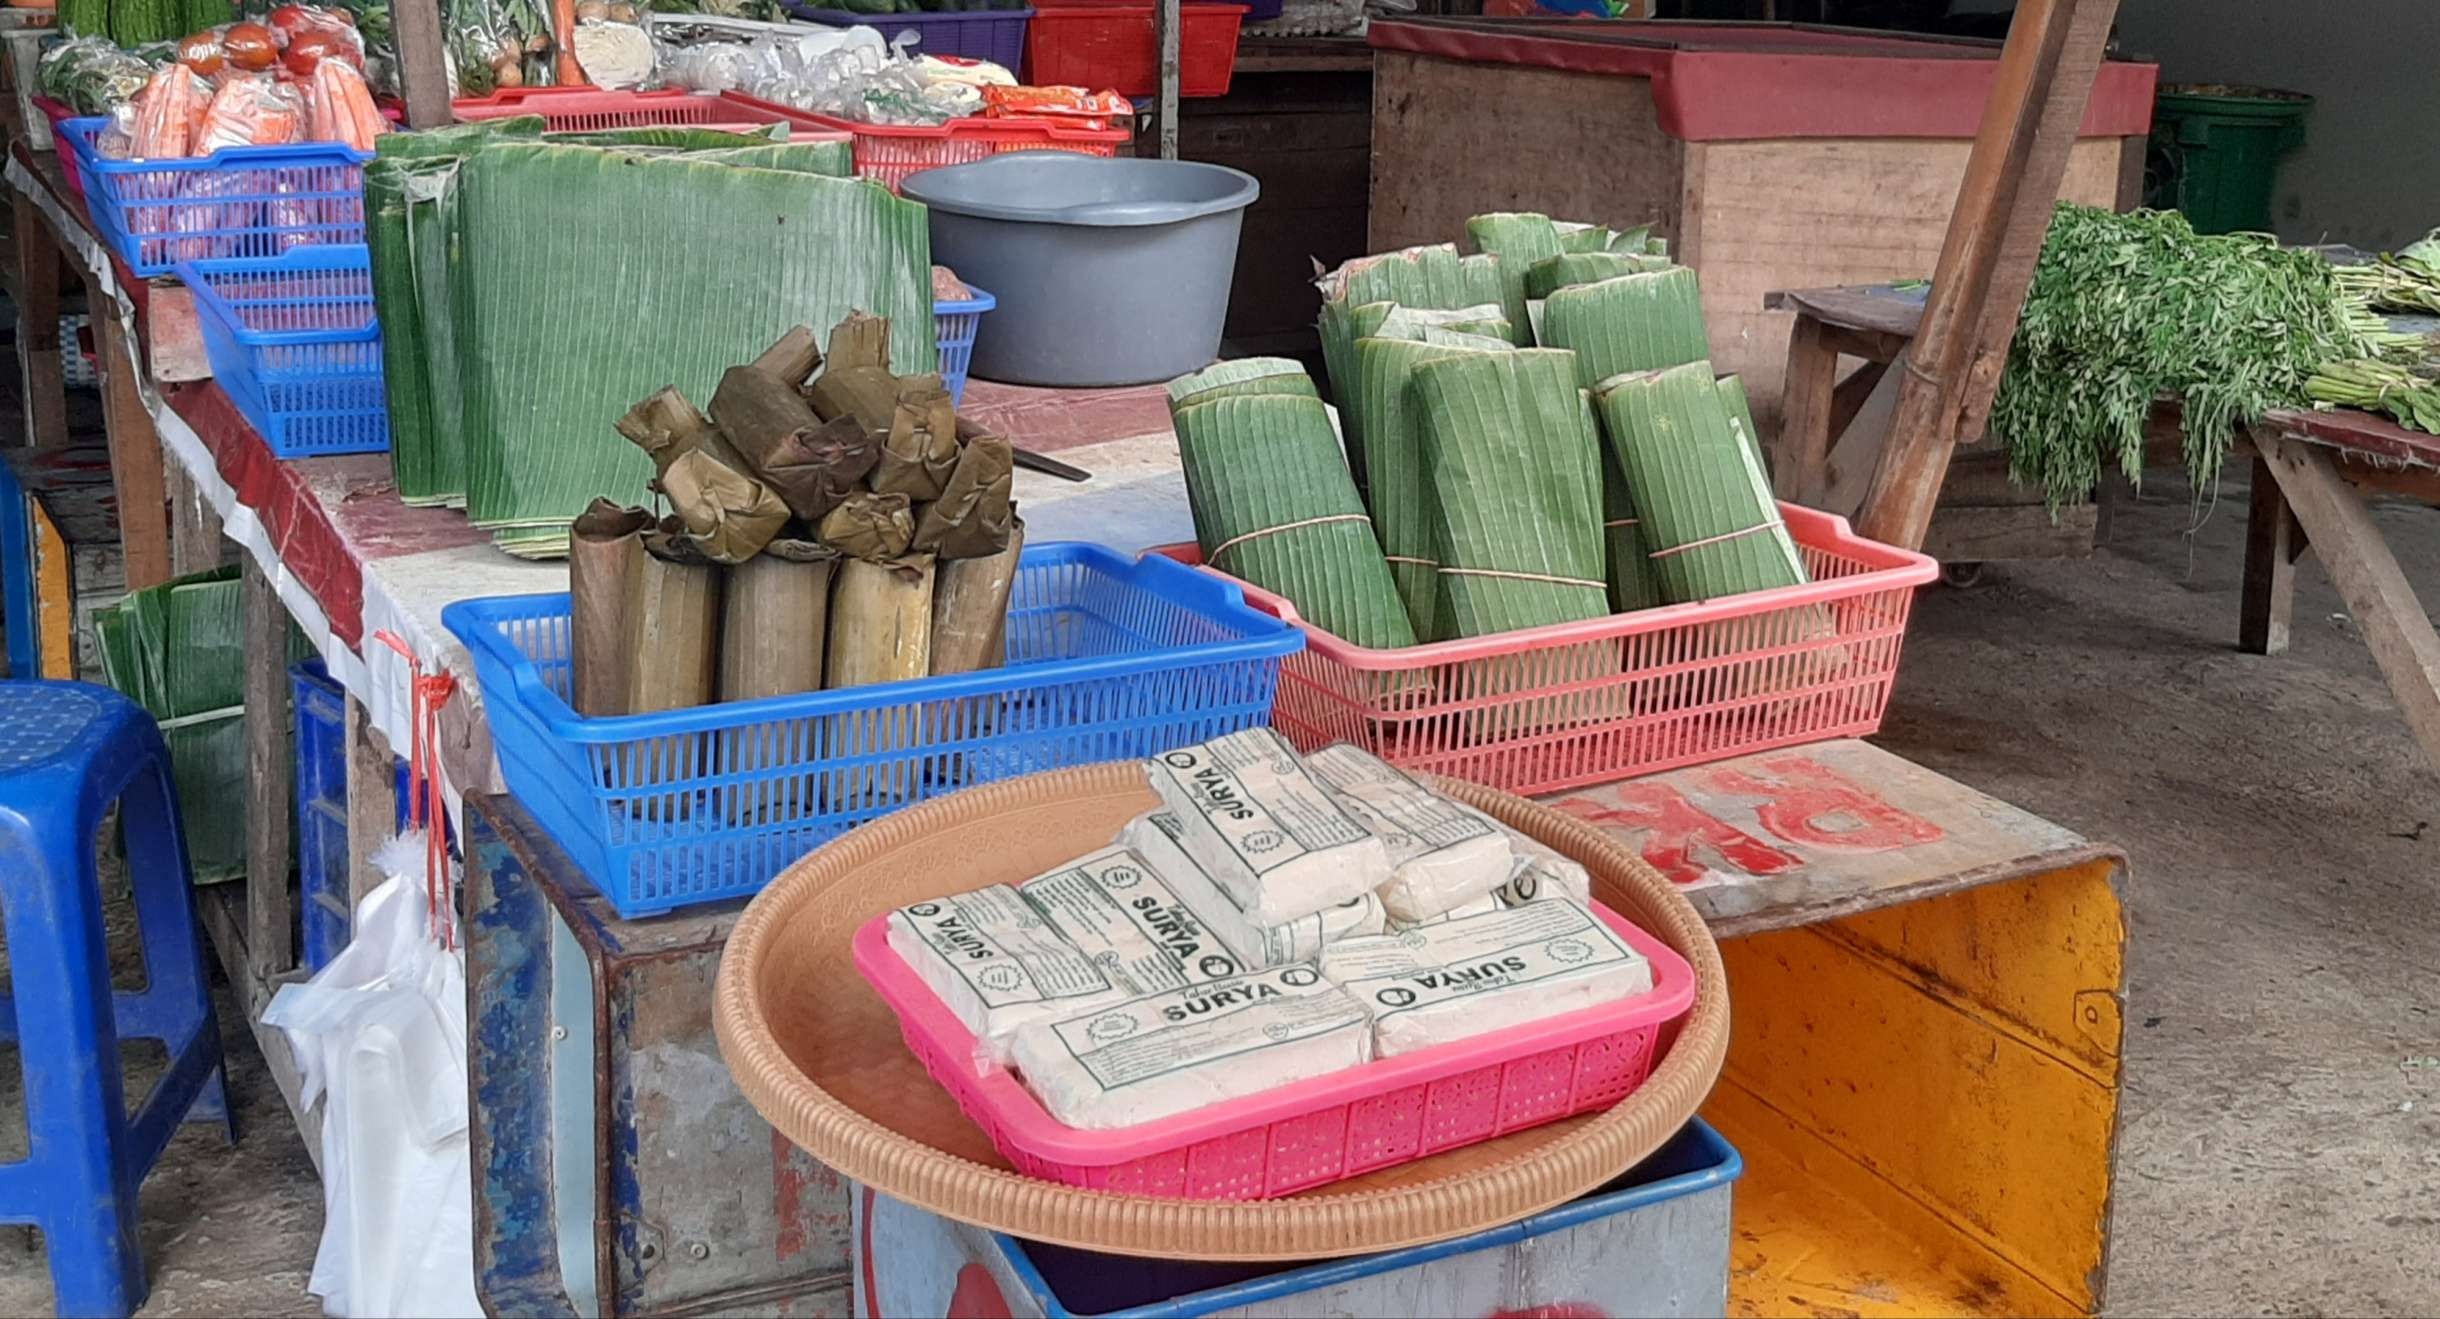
pixel 164 110
pixel 343 106
pixel 250 112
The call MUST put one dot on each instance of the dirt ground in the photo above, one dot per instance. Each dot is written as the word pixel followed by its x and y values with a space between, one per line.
pixel 2280 1140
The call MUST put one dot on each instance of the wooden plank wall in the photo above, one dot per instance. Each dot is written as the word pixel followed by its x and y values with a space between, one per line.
pixel 1813 212
pixel 1452 140
pixel 1306 137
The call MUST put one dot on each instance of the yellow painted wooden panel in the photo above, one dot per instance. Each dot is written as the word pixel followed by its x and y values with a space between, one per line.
pixel 1941 1105
pixel 1771 215
pixel 54 597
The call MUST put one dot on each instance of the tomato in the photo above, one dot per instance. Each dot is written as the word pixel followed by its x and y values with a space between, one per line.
pixel 201 52
pixel 250 46
pixel 309 48
pixel 288 20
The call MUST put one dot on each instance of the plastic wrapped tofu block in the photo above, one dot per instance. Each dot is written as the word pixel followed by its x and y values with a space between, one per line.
pixel 1540 872
pixel 1265 831
pixel 1442 854
pixel 1117 910
pixel 1436 983
pixel 1165 1054
pixel 1155 837
pixel 1482 906
pixel 996 963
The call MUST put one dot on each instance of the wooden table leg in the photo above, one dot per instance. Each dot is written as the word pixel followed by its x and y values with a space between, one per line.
pixel 2367 576
pixel 1801 456
pixel 135 458
pixel 41 376
pixel 194 529
pixel 270 904
pixel 2273 543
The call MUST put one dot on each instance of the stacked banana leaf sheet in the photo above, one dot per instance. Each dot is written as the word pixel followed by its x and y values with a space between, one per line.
pixel 178 650
pixel 1532 435
pixel 530 285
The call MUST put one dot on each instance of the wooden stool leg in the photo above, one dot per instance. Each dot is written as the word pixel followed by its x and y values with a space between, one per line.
pixel 2273 543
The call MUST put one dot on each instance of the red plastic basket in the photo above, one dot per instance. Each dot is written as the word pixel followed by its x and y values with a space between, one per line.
pixel 587 109
pixel 891 152
pixel 59 113
pixel 1386 1112
pixel 1108 44
pixel 1548 708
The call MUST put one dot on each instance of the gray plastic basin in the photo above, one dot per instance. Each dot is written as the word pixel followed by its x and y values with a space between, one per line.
pixel 1108 271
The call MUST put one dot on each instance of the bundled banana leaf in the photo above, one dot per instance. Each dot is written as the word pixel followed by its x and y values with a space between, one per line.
pixel 1571 268
pixel 1515 467
pixel 1703 503
pixel 1631 323
pixel 1638 241
pixel 1517 240
pixel 1273 503
pixel 574 312
pixel 1431 278
pixel 1245 375
pixel 1406 510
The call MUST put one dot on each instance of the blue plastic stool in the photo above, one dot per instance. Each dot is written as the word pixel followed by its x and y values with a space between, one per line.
pixel 67 751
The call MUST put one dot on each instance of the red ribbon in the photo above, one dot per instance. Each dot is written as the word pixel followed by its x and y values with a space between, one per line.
pixel 428 692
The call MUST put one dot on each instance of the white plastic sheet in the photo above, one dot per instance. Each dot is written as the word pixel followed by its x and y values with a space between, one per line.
pixel 380 1037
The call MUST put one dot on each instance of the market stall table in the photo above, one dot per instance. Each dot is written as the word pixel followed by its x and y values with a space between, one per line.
pixel 2312 474
pixel 1858 890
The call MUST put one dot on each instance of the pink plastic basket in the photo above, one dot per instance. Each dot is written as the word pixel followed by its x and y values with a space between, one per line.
pixel 1548 708
pixel 1390 1111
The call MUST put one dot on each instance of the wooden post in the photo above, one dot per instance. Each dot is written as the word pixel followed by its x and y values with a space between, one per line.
pixel 46 388
pixel 270 907
pixel 372 799
pixel 194 529
pixel 1166 21
pixel 423 76
pixel 136 459
pixel 2012 180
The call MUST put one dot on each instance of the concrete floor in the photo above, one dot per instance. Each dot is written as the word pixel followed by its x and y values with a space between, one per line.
pixel 2280 1140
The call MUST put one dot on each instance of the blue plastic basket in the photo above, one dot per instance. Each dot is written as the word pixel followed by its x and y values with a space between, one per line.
pixel 956 323
pixel 1107 659
pixel 295 343
pixel 997 35
pixel 236 202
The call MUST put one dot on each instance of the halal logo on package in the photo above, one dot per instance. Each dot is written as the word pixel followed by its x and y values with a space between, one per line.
pixel 1001 976
pixel 1111 1026
pixel 1569 950
pixel 1121 877
pixel 1263 840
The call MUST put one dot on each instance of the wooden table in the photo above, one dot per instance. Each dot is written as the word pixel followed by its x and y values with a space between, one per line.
pixel 1983 516
pixel 2315 474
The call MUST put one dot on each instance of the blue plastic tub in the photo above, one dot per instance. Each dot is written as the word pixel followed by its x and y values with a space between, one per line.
pixel 295 343
pixel 1108 659
pixel 997 35
pixel 236 202
pixel 956 323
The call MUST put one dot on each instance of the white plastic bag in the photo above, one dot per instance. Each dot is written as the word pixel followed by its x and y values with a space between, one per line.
pixel 380 1035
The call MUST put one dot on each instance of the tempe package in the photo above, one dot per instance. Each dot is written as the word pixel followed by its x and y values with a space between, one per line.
pixel 996 963
pixel 1542 873
pixel 1165 1054
pixel 1442 854
pixel 1435 983
pixel 1117 910
pixel 1265 831
pixel 1155 835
